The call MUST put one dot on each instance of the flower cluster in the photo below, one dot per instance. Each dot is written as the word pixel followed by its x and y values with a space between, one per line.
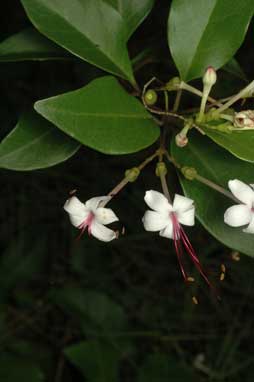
pixel 164 217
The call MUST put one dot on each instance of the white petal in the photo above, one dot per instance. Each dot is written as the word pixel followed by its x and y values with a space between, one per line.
pixel 105 215
pixel 76 220
pixel 181 203
pixel 157 201
pixel 93 203
pixel 167 231
pixel 237 215
pixel 154 221
pixel 187 217
pixel 250 228
pixel 242 191
pixel 102 233
pixel 74 206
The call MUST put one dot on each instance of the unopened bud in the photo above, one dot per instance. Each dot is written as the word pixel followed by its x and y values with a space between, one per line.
pixel 132 174
pixel 181 140
pixel 209 77
pixel 150 97
pixel 161 169
pixel 173 84
pixel 189 173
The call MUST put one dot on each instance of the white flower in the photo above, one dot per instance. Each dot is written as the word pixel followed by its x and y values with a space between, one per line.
pixel 91 216
pixel 241 214
pixel 166 217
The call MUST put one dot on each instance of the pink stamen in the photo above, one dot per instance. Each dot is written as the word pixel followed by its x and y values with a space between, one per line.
pixel 181 240
pixel 87 223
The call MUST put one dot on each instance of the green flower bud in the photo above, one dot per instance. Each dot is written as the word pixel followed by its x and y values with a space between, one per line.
pixel 173 84
pixel 210 77
pixel 150 97
pixel 189 173
pixel 161 169
pixel 132 174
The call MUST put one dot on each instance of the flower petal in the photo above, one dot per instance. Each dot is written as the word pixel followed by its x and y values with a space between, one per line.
pixel 167 231
pixel 157 201
pixel 76 220
pixel 105 215
pixel 237 215
pixel 181 203
pixel 102 233
pixel 74 206
pixel 250 228
pixel 93 203
pixel 242 191
pixel 154 221
pixel 187 217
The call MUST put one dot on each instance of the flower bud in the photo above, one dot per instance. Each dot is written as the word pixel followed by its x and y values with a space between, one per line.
pixel 132 174
pixel 189 172
pixel 173 84
pixel 150 97
pixel 209 77
pixel 181 140
pixel 161 169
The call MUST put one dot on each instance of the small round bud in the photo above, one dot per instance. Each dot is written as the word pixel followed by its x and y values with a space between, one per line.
pixel 189 172
pixel 210 76
pixel 181 140
pixel 173 84
pixel 132 174
pixel 161 169
pixel 150 97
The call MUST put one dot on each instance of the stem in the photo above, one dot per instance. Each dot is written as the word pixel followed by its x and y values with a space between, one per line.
pixel 177 100
pixel 238 96
pixel 203 180
pixel 216 187
pixel 193 90
pixel 164 187
pixel 205 95
pixel 126 179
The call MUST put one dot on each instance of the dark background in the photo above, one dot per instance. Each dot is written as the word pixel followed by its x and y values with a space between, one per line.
pixel 139 273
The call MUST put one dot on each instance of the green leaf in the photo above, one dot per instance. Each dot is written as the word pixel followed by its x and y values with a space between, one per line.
pixel 204 33
pixel 234 68
pixel 97 361
pixel 161 368
pixel 30 45
pixel 217 165
pixel 35 143
pixel 13 369
pixel 90 29
pixel 239 143
pixel 96 310
pixel 133 12
pixel 102 116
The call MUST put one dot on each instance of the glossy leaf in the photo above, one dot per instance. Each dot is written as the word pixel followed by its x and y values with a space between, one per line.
pixel 102 116
pixel 35 143
pixel 217 165
pixel 206 33
pixel 96 310
pixel 133 12
pixel 234 68
pixel 96 360
pixel 91 29
pixel 239 143
pixel 30 45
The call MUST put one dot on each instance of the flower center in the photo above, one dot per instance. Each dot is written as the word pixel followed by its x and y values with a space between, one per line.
pixel 87 223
